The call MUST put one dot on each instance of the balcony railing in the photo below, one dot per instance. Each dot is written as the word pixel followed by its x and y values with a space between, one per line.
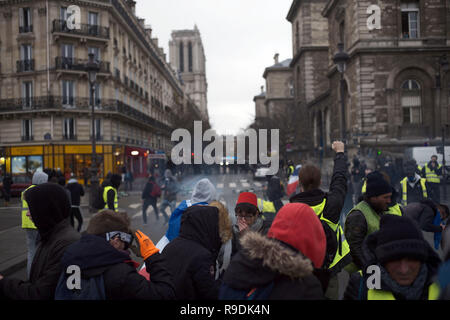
pixel 25 65
pixel 27 138
pixel 78 64
pixel 25 29
pixel 69 137
pixel 59 103
pixel 84 30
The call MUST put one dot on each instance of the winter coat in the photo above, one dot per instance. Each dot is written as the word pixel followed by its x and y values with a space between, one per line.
pixel 423 213
pixel 263 261
pixel 49 209
pixel 191 257
pixel 94 255
pixel 275 190
pixel 146 193
pixel 76 191
pixel 356 288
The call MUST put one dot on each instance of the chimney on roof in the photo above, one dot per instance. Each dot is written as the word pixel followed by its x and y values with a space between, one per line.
pixel 262 89
pixel 276 57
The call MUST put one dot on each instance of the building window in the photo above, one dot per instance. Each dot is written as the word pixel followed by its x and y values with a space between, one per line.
pixel 26 62
pixel 190 56
pixel 410 19
pixel 93 23
pixel 27 130
pixel 25 21
pixel 27 94
pixel 411 102
pixel 69 129
pixel 68 89
pixel 95 51
pixel 181 57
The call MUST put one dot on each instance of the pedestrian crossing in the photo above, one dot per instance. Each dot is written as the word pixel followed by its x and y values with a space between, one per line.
pixel 242 184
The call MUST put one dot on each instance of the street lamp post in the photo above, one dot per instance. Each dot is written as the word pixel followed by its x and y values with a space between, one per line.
pixel 443 66
pixel 340 59
pixel 92 68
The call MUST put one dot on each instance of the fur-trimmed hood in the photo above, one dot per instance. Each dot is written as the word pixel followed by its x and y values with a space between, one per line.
pixel 276 256
pixel 262 260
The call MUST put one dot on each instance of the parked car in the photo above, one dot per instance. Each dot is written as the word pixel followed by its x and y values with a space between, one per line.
pixel 20 183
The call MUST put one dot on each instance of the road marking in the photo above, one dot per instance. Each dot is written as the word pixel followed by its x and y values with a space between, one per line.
pixel 232 185
pixel 135 205
pixel 220 185
pixel 258 184
pixel 245 184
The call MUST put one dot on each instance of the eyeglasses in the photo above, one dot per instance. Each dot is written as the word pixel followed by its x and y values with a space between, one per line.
pixel 125 237
pixel 245 216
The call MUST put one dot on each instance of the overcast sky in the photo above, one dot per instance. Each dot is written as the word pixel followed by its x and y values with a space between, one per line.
pixel 240 38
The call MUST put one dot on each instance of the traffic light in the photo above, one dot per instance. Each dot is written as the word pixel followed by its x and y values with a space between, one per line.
pixel 379 152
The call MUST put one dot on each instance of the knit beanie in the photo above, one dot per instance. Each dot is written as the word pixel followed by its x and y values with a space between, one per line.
pixel 377 185
pixel 399 237
pixel 247 197
pixel 108 221
pixel 297 225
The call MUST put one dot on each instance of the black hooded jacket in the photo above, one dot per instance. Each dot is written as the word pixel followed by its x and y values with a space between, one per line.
pixel 95 256
pixel 191 257
pixel 263 261
pixel 49 208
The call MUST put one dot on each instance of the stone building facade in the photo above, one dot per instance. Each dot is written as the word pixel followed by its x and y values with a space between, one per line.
pixel 396 82
pixel 187 56
pixel 45 96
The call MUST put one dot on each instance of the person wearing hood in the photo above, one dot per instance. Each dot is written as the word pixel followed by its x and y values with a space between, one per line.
pixel 275 191
pixel 191 257
pixel 204 192
pixel 39 177
pixel 406 264
pixel 170 190
pixel 110 192
pixel 76 192
pixel 413 187
pixel 328 207
pixel 49 209
pixel 279 266
pixel 104 250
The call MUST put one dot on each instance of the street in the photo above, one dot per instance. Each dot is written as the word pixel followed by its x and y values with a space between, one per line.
pixel 13 241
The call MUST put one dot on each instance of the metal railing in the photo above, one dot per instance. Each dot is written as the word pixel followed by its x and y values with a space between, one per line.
pixel 74 64
pixel 25 65
pixel 84 30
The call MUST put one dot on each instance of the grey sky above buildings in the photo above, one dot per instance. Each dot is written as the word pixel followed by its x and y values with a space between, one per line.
pixel 240 38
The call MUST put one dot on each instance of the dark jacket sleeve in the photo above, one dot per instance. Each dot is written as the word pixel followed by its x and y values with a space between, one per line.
pixel 160 286
pixel 81 190
pixel 355 288
pixel 110 196
pixel 426 221
pixel 355 231
pixel 43 288
pixel 338 189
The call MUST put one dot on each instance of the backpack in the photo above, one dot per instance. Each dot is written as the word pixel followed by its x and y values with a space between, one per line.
pixel 156 190
pixel 92 288
pixel 262 293
pixel 98 202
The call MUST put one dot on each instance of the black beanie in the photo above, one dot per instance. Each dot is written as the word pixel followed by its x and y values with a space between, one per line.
pixel 376 185
pixel 399 237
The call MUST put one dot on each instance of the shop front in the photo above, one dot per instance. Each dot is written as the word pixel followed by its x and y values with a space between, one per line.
pixel 136 161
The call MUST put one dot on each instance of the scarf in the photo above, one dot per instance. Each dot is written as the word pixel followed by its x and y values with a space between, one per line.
pixel 412 292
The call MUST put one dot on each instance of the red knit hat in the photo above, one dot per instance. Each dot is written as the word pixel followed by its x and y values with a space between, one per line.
pixel 297 225
pixel 248 197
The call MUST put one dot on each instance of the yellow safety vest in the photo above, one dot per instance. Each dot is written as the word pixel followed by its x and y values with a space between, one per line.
pixel 404 184
pixel 343 247
pixel 431 175
pixel 395 210
pixel 373 294
pixel 265 206
pixel 105 198
pixel 26 221
pixel 364 186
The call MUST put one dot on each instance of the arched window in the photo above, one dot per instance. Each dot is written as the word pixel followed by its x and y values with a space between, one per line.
pixel 411 101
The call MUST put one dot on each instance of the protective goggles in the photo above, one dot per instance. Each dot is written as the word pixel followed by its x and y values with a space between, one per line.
pixel 125 237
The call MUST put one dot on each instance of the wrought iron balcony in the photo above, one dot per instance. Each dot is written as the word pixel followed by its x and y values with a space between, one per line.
pixel 65 63
pixel 26 29
pixel 84 30
pixel 25 65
